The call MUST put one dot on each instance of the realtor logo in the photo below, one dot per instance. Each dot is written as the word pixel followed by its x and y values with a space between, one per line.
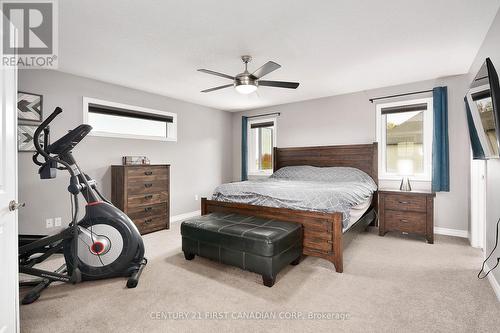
pixel 29 37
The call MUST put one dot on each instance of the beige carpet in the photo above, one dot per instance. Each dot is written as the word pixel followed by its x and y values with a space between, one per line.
pixel 390 283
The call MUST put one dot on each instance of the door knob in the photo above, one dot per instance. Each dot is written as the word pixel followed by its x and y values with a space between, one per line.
pixel 13 205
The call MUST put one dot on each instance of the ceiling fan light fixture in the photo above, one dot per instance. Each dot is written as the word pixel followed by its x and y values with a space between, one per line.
pixel 246 83
pixel 245 89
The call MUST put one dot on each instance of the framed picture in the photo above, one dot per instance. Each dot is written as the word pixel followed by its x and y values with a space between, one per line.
pixel 29 107
pixel 25 135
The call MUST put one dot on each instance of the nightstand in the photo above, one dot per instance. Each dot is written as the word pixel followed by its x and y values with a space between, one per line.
pixel 407 212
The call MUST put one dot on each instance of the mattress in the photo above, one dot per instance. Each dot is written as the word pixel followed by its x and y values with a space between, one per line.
pixel 356 212
pixel 339 189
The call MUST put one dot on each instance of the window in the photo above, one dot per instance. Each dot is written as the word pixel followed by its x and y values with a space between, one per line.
pixel 127 121
pixel 261 141
pixel 404 131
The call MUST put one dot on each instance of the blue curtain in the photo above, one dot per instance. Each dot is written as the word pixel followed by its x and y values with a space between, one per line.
pixel 477 149
pixel 440 150
pixel 244 148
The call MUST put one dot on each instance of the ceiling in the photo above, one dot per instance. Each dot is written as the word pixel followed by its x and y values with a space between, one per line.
pixel 329 46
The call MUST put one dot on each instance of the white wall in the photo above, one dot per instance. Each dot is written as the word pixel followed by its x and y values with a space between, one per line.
pixel 350 118
pixel 491 49
pixel 200 159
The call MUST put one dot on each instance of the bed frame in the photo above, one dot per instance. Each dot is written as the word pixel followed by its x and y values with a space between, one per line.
pixel 323 235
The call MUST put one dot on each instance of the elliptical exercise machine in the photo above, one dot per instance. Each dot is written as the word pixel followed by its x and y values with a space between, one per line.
pixel 104 243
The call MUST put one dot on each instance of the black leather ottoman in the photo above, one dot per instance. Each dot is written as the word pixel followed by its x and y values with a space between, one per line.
pixel 263 246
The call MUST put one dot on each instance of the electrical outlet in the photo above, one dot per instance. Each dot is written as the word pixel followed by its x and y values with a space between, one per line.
pixel 57 222
pixel 49 223
pixel 196 197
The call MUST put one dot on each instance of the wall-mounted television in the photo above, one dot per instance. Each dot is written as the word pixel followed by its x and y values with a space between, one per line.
pixel 483 112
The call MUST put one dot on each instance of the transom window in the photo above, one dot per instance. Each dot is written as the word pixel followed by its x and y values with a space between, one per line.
pixel 404 131
pixel 261 141
pixel 127 121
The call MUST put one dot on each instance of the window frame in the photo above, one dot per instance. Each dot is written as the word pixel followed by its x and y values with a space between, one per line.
pixel 171 131
pixel 427 139
pixel 251 121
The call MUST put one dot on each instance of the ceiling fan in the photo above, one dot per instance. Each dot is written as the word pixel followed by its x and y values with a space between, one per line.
pixel 246 82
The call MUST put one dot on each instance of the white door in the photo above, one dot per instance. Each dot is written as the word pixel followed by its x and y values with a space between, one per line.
pixel 9 289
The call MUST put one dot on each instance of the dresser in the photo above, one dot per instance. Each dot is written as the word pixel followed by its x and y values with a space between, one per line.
pixel 142 192
pixel 407 212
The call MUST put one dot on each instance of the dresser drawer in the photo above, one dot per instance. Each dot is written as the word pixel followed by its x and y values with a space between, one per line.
pixel 140 187
pixel 147 173
pixel 150 224
pixel 406 202
pixel 411 222
pixel 147 211
pixel 146 199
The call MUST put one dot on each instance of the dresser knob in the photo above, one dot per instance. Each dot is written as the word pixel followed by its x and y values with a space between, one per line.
pixel 147 185
pixel 404 221
pixel 148 221
pixel 148 197
pixel 148 173
pixel 404 202
pixel 148 209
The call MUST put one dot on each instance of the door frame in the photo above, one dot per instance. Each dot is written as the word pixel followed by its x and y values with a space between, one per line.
pixel 477 203
pixel 9 86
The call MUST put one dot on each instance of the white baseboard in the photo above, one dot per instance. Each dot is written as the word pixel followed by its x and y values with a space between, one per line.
pixel 493 282
pixel 182 217
pixel 451 232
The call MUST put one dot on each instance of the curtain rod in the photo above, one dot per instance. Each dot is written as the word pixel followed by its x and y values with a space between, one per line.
pixel 399 95
pixel 265 114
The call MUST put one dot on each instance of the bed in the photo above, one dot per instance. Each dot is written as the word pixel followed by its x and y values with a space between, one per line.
pixel 328 226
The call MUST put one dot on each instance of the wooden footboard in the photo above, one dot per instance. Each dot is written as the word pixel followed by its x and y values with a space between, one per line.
pixel 322 231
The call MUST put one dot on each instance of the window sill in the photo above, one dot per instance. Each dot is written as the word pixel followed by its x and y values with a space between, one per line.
pixel 416 185
pixel 259 175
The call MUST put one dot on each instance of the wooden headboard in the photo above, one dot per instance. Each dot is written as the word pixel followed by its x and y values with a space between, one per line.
pixel 363 157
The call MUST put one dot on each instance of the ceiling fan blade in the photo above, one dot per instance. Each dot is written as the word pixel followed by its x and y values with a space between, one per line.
pixel 217 88
pixel 279 84
pixel 267 68
pixel 216 73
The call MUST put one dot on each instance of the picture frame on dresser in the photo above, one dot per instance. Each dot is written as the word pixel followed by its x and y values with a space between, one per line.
pixel 143 193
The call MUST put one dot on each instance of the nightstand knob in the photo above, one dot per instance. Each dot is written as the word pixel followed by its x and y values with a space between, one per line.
pixel 404 202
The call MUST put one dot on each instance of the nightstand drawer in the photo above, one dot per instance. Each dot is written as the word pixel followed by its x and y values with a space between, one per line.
pixel 404 202
pixel 411 222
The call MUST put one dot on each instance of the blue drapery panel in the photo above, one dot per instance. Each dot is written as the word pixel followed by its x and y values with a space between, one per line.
pixel 440 149
pixel 477 149
pixel 244 148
